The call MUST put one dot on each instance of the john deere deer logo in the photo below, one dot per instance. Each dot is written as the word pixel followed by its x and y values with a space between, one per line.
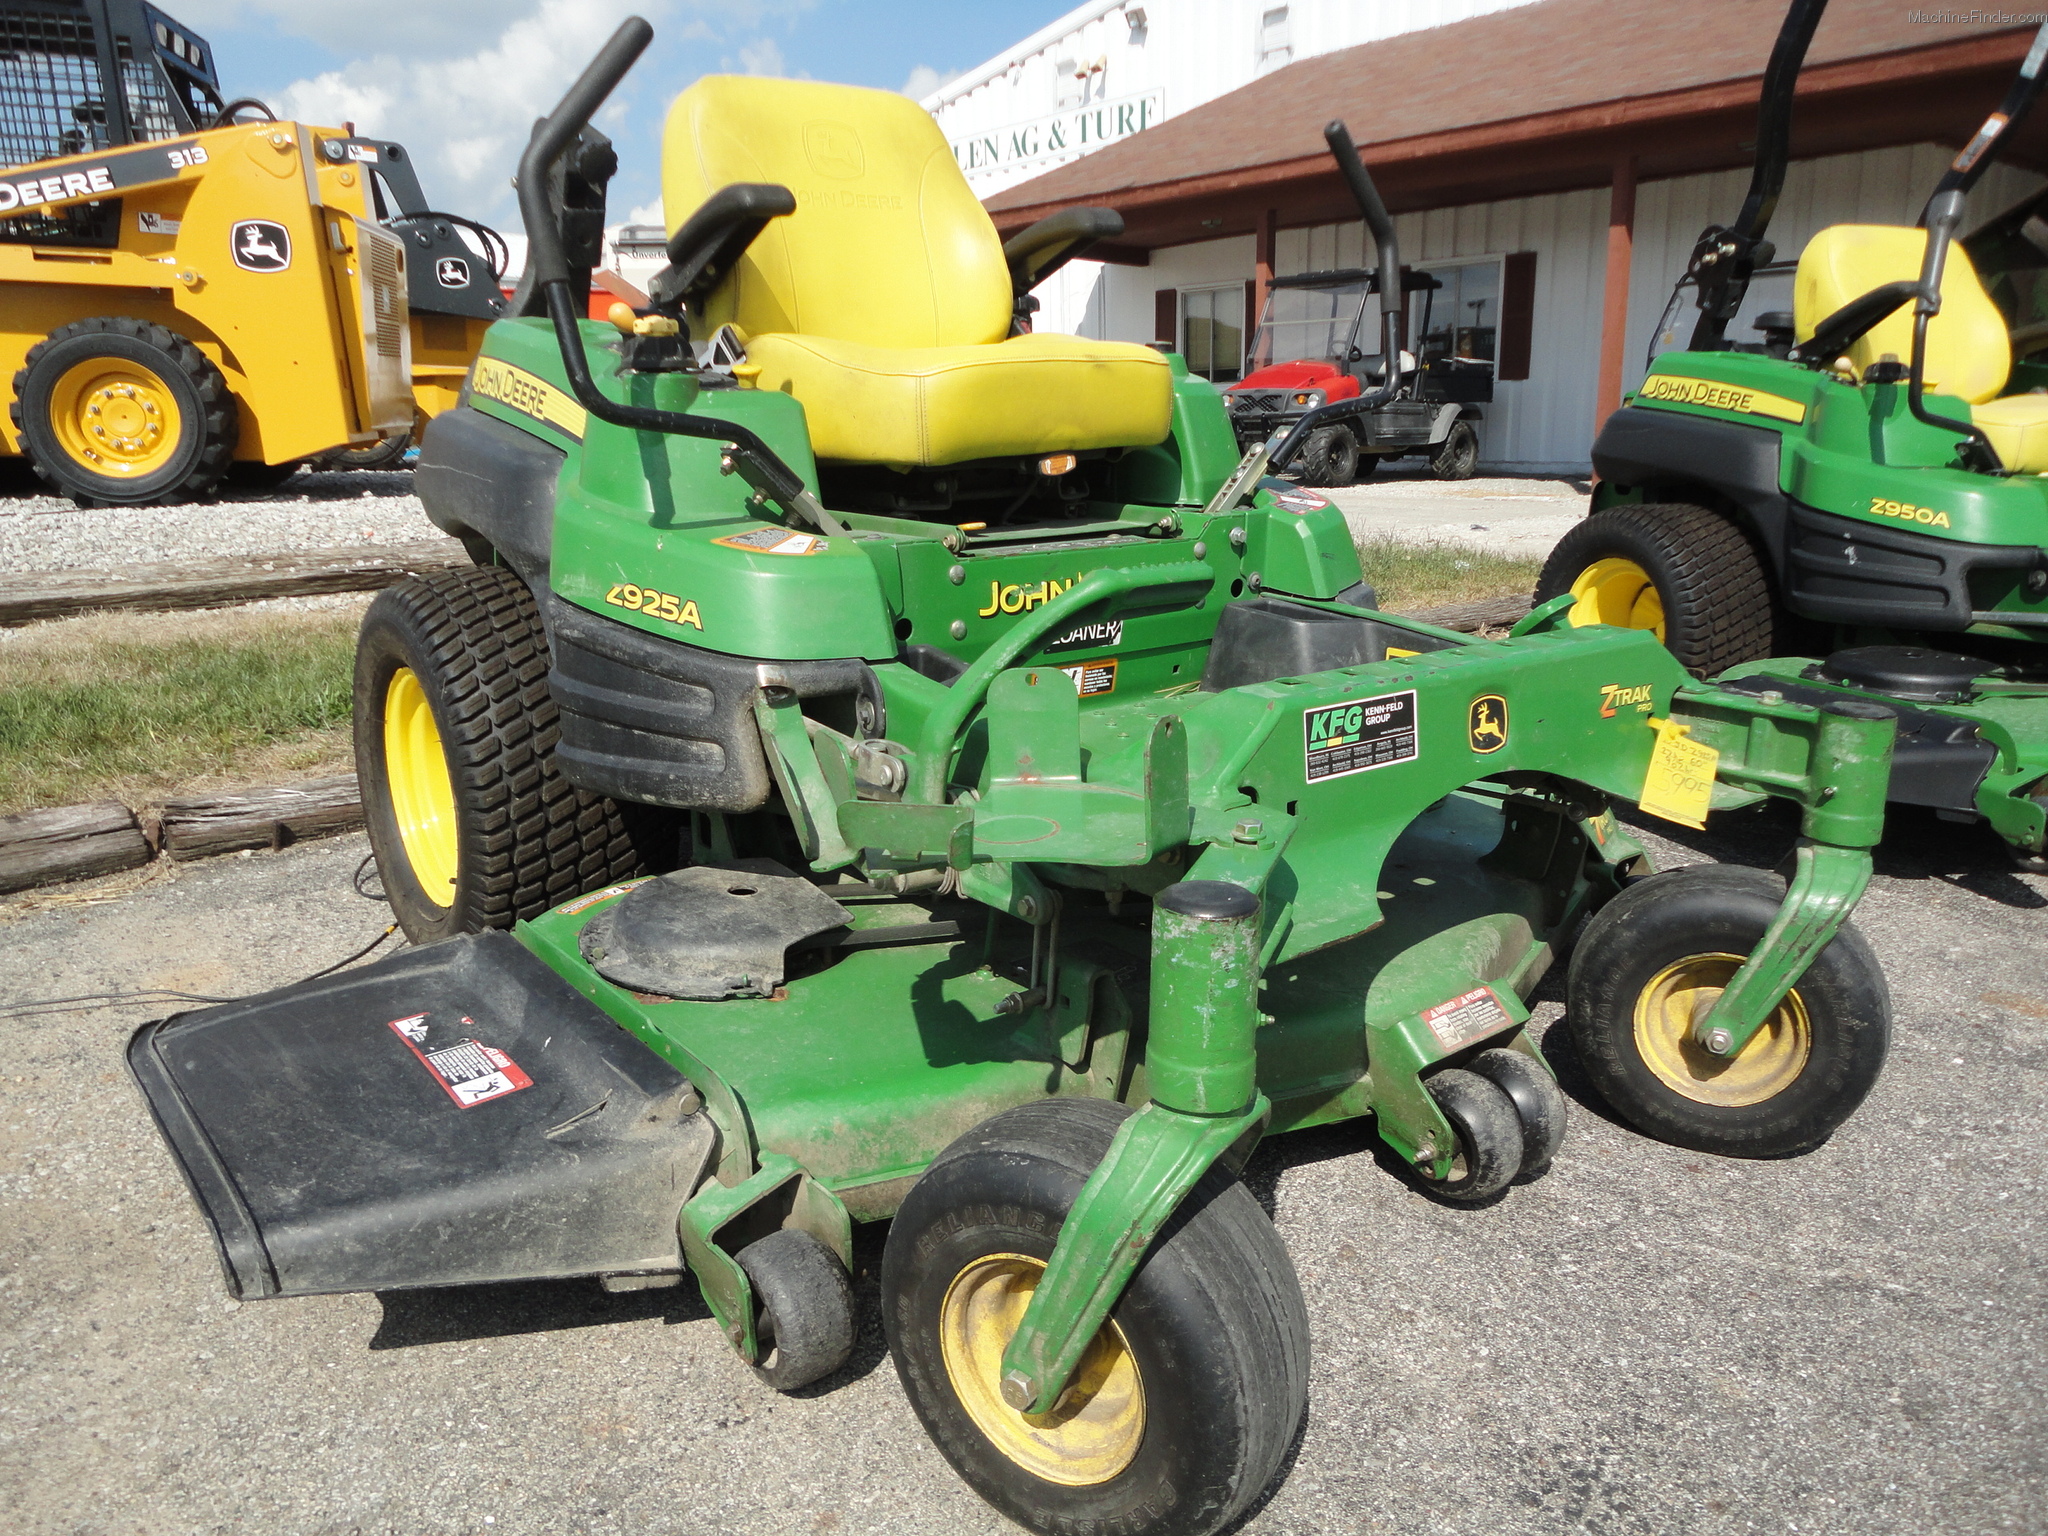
pixel 834 150
pixel 1487 725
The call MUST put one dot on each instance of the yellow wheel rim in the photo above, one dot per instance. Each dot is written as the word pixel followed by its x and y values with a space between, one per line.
pixel 115 417
pixel 1093 1431
pixel 1617 592
pixel 422 794
pixel 1767 1065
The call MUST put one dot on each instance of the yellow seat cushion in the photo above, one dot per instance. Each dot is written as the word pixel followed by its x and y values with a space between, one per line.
pixel 942 405
pixel 883 303
pixel 2018 428
pixel 1968 350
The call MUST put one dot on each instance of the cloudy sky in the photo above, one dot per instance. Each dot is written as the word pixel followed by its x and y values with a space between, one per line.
pixel 459 82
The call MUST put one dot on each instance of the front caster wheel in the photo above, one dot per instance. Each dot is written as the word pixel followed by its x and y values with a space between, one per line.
pixel 1489 1136
pixel 1658 955
pixel 1185 1403
pixel 806 1329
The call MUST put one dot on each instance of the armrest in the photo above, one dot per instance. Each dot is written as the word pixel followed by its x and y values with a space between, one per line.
pixel 714 237
pixel 1848 325
pixel 1036 253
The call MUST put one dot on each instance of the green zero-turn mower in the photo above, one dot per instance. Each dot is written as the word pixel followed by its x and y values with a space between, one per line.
pixel 1865 484
pixel 1000 835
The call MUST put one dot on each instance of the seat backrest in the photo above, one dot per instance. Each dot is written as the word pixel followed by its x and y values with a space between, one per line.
pixel 888 247
pixel 1968 350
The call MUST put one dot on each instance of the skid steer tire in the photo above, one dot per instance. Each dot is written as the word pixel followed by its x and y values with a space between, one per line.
pixel 119 412
pixel 472 825
pixel 1664 949
pixel 1183 1410
pixel 1687 573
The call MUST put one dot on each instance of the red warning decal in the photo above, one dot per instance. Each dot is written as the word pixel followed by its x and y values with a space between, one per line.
pixel 468 1071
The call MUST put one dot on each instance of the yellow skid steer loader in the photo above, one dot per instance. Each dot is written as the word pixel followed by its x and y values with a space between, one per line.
pixel 187 294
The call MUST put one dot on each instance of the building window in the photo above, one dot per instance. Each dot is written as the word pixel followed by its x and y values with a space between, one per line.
pixel 1212 331
pixel 1461 319
pixel 1276 39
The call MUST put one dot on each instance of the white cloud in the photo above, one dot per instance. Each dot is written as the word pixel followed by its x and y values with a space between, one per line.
pixel 763 56
pixel 648 213
pixel 465 118
pixel 924 80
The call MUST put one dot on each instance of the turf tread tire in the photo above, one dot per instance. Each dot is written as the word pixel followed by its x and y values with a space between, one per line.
pixel 1217 1259
pixel 528 839
pixel 1718 605
pixel 178 361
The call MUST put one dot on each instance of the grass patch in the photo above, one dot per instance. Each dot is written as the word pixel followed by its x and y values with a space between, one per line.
pixel 1410 576
pixel 128 707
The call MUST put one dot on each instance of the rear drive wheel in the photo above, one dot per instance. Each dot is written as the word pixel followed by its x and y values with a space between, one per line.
pixel 1663 951
pixel 1458 454
pixel 1183 1408
pixel 1685 573
pixel 120 412
pixel 472 825
pixel 1329 457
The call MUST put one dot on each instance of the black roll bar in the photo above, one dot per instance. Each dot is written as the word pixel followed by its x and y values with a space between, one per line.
pixel 1723 260
pixel 1393 310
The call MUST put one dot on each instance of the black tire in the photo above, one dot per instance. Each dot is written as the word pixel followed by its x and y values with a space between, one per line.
pixel 1213 1322
pixel 1710 581
pixel 1458 454
pixel 200 447
pixel 524 837
pixel 388 453
pixel 255 479
pixel 1489 1136
pixel 1328 458
pixel 1539 1104
pixel 806 1324
pixel 1683 918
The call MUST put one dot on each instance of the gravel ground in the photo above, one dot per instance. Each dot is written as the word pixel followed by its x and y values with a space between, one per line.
pixel 1645 1342
pixel 310 511
pixel 1513 516
pixel 47 533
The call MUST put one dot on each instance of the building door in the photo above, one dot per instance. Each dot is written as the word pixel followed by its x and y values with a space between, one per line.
pixel 1212 332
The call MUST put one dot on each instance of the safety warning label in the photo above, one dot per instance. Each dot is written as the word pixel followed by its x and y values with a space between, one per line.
pixel 1464 1018
pixel 468 1071
pixel 775 541
pixel 1093 677
pixel 1358 734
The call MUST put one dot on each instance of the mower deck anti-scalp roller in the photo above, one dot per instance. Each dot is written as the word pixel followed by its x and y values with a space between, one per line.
pixel 928 776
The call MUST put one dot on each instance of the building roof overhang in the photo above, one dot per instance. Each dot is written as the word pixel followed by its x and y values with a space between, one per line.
pixel 1938 92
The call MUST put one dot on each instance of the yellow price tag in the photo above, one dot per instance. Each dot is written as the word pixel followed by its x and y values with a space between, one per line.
pixel 1680 784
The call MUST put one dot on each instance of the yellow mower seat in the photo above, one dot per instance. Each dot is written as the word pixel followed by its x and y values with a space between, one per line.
pixel 883 303
pixel 1969 351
